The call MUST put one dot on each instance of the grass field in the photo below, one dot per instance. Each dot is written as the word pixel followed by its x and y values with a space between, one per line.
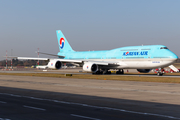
pixel 106 77
pixel 177 65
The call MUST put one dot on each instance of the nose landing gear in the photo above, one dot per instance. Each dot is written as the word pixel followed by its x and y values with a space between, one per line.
pixel 160 72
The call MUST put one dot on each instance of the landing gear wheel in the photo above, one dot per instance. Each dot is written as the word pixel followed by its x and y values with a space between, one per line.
pixel 159 74
pixel 106 72
pixel 98 72
pixel 120 72
pixel 109 72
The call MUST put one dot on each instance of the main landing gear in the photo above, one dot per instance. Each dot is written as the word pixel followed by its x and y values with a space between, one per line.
pixel 100 72
pixel 120 71
pixel 105 72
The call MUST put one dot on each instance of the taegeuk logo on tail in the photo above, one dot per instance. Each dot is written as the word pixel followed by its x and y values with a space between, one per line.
pixel 61 43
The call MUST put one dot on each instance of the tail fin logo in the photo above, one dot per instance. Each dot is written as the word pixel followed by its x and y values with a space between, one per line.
pixel 61 42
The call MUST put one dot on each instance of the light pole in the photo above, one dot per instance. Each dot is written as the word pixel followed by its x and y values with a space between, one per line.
pixel 6 59
pixel 11 59
pixel 38 56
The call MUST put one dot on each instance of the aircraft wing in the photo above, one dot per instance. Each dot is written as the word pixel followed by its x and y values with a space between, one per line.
pixel 71 61
pixel 106 62
pixel 62 60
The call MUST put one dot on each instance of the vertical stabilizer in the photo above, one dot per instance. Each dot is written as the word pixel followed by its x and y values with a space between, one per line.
pixel 63 43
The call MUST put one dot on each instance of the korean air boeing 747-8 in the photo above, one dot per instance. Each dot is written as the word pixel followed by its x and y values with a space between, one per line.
pixel 142 58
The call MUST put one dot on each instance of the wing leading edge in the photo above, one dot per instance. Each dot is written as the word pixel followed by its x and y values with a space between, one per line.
pixel 69 61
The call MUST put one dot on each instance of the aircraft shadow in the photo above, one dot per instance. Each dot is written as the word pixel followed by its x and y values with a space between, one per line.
pixel 123 104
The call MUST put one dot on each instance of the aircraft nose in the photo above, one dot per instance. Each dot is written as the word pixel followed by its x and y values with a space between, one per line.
pixel 173 55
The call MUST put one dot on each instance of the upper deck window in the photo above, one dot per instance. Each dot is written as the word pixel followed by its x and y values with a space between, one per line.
pixel 163 48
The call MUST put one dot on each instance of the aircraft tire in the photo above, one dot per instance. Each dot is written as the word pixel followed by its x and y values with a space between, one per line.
pixel 160 74
pixel 98 73
pixel 120 72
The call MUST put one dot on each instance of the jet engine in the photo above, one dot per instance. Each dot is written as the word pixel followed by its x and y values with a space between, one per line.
pixel 143 70
pixel 90 67
pixel 54 64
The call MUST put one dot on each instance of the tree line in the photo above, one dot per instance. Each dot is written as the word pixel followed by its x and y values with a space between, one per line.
pixel 28 63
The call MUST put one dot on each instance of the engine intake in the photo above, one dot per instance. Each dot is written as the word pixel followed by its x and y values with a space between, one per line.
pixel 90 67
pixel 54 64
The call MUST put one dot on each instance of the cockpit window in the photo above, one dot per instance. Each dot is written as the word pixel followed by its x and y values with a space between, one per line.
pixel 163 48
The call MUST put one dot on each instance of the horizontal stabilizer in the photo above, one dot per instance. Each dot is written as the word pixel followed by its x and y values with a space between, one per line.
pixel 29 58
pixel 12 57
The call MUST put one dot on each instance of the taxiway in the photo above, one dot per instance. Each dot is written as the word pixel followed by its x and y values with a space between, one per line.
pixel 27 97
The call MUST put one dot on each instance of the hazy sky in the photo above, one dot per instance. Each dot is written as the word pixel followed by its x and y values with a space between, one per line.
pixel 87 24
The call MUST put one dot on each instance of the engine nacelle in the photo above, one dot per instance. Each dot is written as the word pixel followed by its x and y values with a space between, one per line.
pixel 90 67
pixel 54 64
pixel 143 70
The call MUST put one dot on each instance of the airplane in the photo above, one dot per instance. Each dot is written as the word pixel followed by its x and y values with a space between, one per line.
pixel 143 58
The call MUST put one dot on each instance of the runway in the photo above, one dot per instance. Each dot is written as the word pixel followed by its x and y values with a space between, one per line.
pixel 41 98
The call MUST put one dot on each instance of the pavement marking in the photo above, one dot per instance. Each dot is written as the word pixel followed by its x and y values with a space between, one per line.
pixel 3 102
pixel 4 119
pixel 86 105
pixel 15 95
pixel 34 108
pixel 84 117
